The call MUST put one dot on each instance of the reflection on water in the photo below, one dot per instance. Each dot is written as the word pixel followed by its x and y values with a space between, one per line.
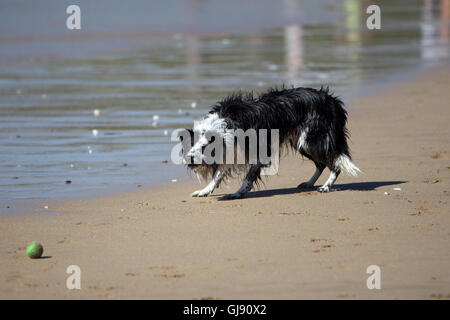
pixel 435 37
pixel 49 132
pixel 293 51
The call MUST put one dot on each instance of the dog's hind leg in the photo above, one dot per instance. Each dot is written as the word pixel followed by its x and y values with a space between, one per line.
pixel 342 163
pixel 331 179
pixel 316 175
pixel 319 168
pixel 252 175
pixel 217 178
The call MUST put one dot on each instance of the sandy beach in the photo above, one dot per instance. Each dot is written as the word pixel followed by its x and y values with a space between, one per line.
pixel 279 242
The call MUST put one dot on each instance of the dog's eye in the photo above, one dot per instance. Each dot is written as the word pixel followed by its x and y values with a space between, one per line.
pixel 212 139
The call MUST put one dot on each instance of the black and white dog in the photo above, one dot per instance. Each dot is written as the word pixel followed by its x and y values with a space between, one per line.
pixel 312 122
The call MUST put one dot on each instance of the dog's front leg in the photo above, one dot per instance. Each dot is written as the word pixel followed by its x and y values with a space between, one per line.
pixel 252 175
pixel 218 176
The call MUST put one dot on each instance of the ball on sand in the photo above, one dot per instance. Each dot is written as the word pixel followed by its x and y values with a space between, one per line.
pixel 35 250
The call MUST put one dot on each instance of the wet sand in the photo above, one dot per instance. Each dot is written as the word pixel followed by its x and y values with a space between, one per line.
pixel 278 243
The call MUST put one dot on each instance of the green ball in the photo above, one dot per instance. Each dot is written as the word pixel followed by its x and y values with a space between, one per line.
pixel 35 250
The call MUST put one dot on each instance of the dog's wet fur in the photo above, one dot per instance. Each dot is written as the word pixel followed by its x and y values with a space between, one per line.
pixel 311 122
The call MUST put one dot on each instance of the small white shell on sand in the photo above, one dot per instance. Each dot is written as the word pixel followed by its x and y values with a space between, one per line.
pixel 386 193
pixel 95 132
pixel 155 117
pixel 96 112
pixel 397 189
pixel 174 180
pixel 166 132
pixel 194 105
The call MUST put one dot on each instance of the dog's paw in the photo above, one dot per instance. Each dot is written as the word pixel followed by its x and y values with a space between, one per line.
pixel 200 193
pixel 232 196
pixel 324 189
pixel 305 185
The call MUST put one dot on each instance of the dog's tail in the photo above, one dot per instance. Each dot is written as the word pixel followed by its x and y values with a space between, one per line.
pixel 345 163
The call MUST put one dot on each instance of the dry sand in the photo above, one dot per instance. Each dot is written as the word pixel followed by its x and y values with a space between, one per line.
pixel 278 243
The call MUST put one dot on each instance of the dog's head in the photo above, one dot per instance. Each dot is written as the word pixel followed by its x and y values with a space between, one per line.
pixel 198 147
pixel 202 145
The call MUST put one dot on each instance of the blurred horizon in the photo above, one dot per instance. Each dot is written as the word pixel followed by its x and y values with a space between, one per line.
pixel 115 24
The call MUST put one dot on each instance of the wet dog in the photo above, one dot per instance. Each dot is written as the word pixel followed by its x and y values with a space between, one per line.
pixel 309 121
